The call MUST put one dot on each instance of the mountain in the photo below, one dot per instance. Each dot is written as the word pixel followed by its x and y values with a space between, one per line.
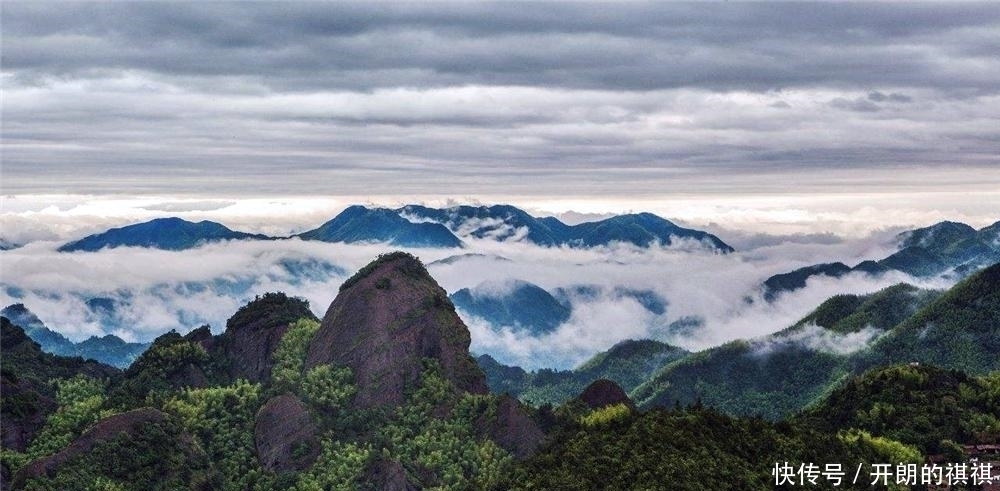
pixel 360 224
pixel 460 258
pixel 942 248
pixel 172 234
pixel 109 349
pixel 386 319
pixel 383 394
pixel 648 299
pixel 958 330
pixel 918 404
pixel 49 340
pixel 26 384
pixel 780 374
pixel 627 363
pixel 6 245
pixel 518 306
pixel 498 222
pixel 505 222
pixel 797 279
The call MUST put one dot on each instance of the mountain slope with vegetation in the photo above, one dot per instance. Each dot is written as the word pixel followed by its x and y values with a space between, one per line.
pixel 780 374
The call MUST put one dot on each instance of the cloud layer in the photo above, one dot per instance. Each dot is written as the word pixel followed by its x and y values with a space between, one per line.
pixel 155 291
pixel 632 100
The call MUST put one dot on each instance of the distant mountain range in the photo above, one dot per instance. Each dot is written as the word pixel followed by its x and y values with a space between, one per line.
pixel 420 226
pixel 505 222
pixel 946 247
pixel 523 307
pixel 519 306
pixel 360 224
pixel 108 349
pixel 172 234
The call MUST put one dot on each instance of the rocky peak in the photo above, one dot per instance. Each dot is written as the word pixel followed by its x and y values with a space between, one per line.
pixel 386 319
pixel 604 392
pixel 253 333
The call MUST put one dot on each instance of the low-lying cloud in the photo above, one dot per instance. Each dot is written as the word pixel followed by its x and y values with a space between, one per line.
pixel 156 291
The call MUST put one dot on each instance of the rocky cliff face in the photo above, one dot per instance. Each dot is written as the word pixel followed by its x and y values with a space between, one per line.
pixel 604 392
pixel 253 333
pixel 384 322
pixel 285 435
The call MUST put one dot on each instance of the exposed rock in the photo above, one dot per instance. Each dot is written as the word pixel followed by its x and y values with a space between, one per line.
pixel 285 435
pixel 512 428
pixel 105 430
pixel 253 333
pixel 604 392
pixel 384 321
pixel 387 475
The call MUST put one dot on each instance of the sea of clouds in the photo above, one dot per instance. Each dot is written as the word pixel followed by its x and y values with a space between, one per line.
pixel 155 291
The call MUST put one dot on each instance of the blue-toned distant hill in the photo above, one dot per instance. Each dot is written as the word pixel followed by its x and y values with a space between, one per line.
pixel 943 248
pixel 172 234
pixel 520 307
pixel 360 224
pixel 505 222
pixel 6 245
pixel 108 349
pixel 649 299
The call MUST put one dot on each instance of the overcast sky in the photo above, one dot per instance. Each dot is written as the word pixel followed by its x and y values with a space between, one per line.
pixel 617 103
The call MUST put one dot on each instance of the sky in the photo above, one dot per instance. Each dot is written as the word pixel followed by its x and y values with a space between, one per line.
pixel 796 132
pixel 786 117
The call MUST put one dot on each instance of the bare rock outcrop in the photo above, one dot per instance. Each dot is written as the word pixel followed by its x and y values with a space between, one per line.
pixel 285 435
pixel 604 392
pixel 512 428
pixel 105 430
pixel 384 322
pixel 253 333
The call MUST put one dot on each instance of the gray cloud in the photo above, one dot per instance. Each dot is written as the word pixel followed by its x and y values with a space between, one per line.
pixel 597 46
pixel 528 99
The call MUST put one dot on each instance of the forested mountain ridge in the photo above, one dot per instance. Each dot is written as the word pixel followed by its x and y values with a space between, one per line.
pixel 780 374
pixel 950 248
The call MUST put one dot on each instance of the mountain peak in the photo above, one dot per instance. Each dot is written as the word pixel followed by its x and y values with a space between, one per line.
pixel 386 320
pixel 360 224
pixel 168 233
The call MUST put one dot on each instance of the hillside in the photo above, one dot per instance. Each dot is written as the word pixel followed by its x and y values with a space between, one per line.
pixel 931 408
pixel 780 374
pixel 628 363
pixel 382 393
pixel 382 397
